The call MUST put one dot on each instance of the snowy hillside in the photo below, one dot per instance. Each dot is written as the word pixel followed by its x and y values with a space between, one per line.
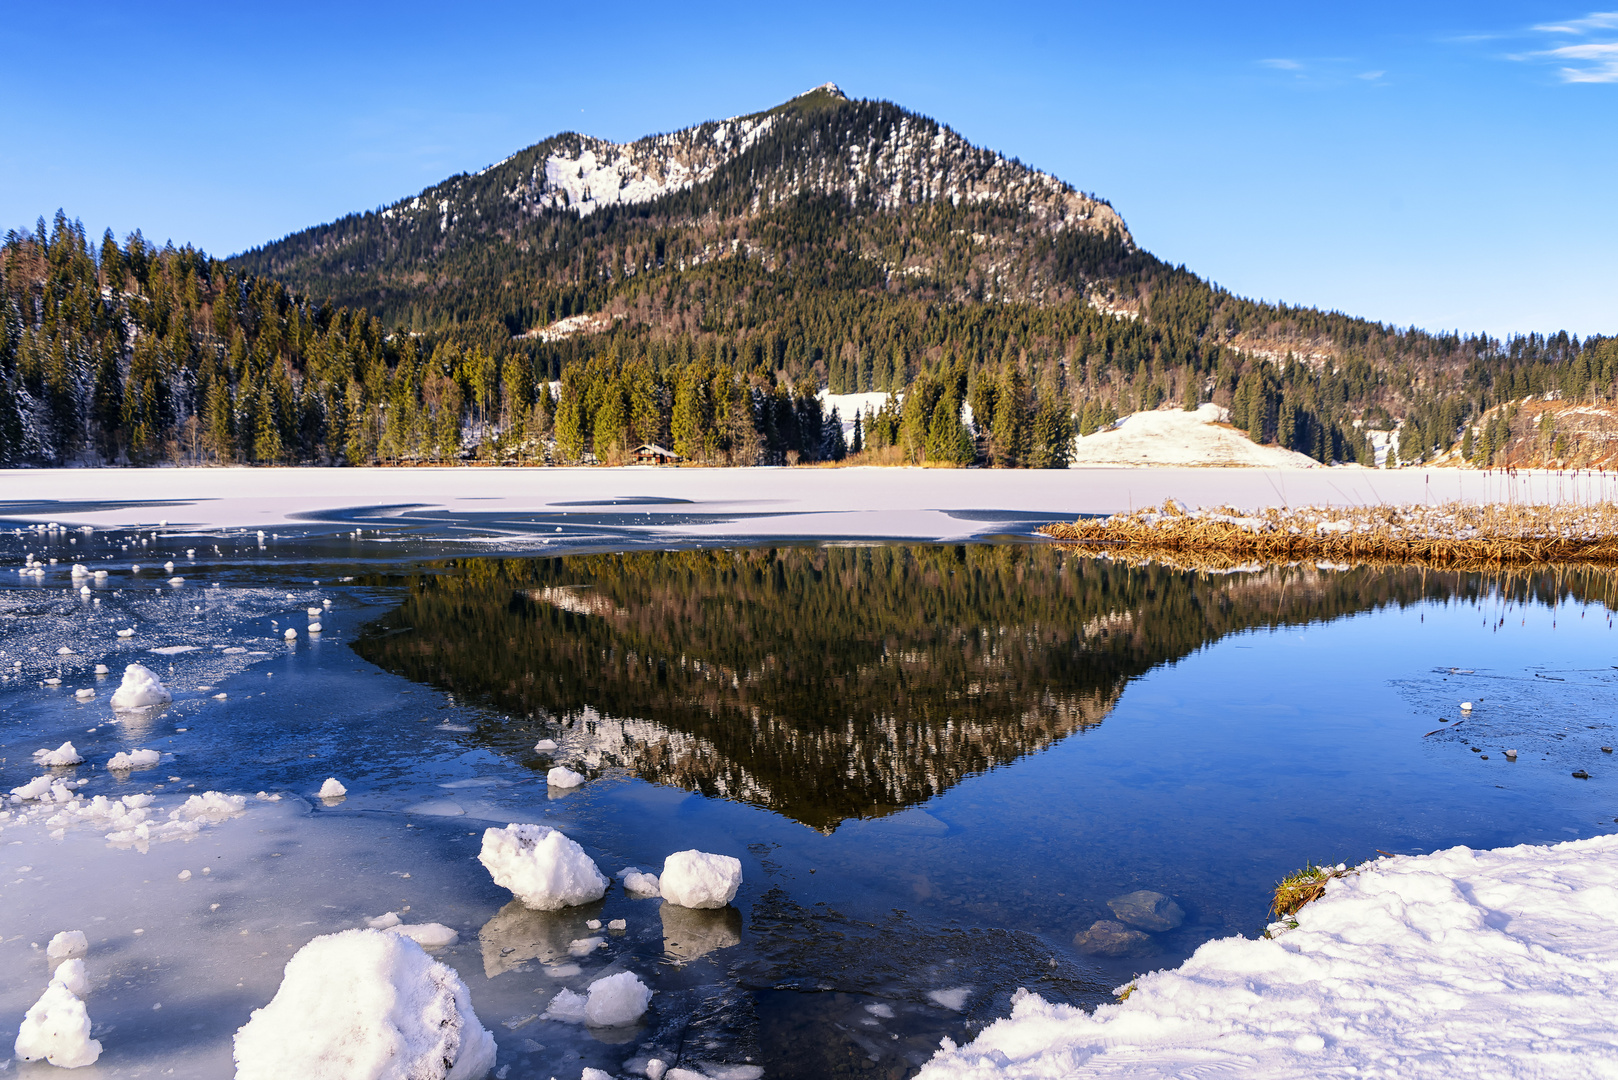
pixel 1177 437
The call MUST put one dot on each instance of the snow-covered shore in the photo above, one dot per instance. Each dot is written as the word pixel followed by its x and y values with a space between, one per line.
pixel 887 503
pixel 1457 964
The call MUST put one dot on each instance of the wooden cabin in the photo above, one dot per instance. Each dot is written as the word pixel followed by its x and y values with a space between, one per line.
pixel 652 454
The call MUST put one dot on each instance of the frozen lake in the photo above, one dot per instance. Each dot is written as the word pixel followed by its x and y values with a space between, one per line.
pixel 937 764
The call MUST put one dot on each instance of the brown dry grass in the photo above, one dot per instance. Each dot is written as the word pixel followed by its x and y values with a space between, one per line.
pixel 1451 535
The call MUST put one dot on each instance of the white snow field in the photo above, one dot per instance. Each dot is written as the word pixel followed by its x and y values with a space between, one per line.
pixel 1461 963
pixel 1177 437
pixel 926 504
pixel 365 1005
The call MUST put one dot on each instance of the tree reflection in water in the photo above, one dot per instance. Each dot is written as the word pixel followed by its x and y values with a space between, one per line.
pixel 828 683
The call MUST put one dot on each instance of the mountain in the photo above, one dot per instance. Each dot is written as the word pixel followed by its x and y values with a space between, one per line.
pixel 575 217
pixel 698 289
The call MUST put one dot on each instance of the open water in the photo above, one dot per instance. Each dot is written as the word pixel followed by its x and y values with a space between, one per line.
pixel 937 765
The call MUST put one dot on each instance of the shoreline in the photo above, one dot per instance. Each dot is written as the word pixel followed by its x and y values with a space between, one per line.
pixel 1450 536
pixel 1458 963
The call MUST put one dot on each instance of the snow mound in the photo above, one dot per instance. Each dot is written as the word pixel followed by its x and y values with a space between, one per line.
pixel 563 777
pixel 545 745
pixel 365 1004
pixel 1460 963
pixel 1177 437
pixel 125 760
pixel 57 1029
pixel 542 868
pixel 695 879
pixel 332 789
pixel 54 759
pixel 140 689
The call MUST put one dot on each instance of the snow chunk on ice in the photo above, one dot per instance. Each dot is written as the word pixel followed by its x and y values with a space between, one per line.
pixel 695 879
pixel 567 1007
pixel 545 745
pixel 140 689
pixel 211 806
pixel 953 999
pixel 638 883
pixel 382 922
pixel 429 935
pixel 67 944
pixel 124 760
pixel 363 1003
pixel 70 973
pixel 53 759
pixel 37 788
pixel 563 777
pixel 57 1029
pixel 617 1000
pixel 543 868
pixel 332 789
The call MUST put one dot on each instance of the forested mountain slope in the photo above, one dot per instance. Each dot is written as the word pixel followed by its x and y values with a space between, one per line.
pixel 694 289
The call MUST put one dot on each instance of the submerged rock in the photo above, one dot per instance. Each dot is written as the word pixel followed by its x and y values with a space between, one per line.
pixel 1147 910
pixel 1108 938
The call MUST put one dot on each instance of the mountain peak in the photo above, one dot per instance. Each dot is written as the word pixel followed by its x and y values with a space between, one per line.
pixel 829 88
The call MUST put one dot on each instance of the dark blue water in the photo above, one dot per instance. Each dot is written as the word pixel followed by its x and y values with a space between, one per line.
pixel 937 765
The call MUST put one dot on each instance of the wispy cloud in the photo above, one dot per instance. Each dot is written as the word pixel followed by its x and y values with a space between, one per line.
pixel 1282 65
pixel 1593 60
pixel 1596 20
pixel 1370 76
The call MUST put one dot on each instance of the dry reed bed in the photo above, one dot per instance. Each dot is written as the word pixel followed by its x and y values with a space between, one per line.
pixel 1451 535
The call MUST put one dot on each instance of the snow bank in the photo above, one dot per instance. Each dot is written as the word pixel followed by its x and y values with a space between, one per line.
pixel 57 1030
pixel 140 689
pixel 695 879
pixel 365 1004
pixel 563 777
pixel 1461 963
pixel 125 760
pixel 543 868
pixel 1177 437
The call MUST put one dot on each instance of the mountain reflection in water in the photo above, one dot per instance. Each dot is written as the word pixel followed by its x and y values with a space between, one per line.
pixel 835 683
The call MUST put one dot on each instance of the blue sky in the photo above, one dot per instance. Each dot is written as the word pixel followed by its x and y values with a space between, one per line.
pixel 1447 165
